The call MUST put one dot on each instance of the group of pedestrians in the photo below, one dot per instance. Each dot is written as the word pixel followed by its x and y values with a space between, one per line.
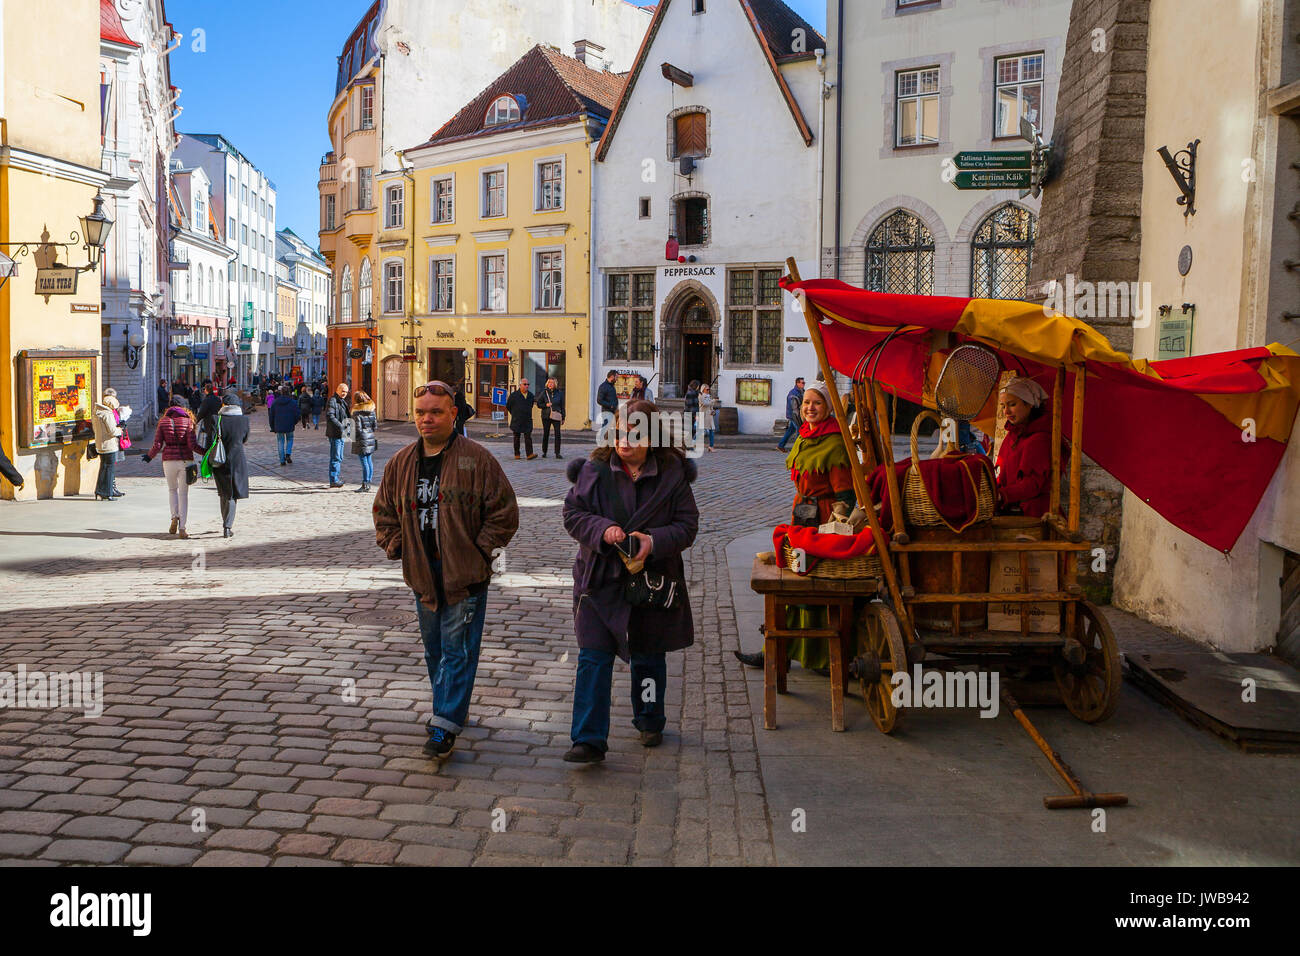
pixel 446 510
pixel 519 409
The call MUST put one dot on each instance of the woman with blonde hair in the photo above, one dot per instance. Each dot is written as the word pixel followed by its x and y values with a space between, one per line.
pixel 364 441
pixel 107 435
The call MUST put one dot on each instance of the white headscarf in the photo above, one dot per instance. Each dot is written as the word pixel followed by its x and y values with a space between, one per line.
pixel 1027 390
pixel 824 391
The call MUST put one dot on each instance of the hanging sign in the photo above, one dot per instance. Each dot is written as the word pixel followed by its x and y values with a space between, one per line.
pixel 57 280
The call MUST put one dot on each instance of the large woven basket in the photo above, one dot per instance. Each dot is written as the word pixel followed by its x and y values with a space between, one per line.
pixel 917 503
pixel 864 566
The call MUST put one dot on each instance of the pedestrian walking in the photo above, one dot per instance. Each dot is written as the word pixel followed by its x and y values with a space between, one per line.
pixel 691 409
pixel 607 400
pixel 444 509
pixel 107 435
pixel 463 410
pixel 364 441
pixel 708 413
pixel 337 413
pixel 231 477
pixel 208 408
pixel 283 414
pixel 317 405
pixel 304 405
pixel 551 404
pixel 176 438
pixel 793 418
pixel 632 512
pixel 519 406
pixel 164 395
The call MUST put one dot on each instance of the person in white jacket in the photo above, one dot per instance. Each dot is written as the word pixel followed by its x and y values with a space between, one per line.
pixel 107 433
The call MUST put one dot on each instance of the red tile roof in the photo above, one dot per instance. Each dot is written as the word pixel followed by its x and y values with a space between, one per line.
pixel 110 25
pixel 778 23
pixel 555 87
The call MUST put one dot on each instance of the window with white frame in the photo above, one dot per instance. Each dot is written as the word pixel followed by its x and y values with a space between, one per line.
pixel 754 317
pixel 394 283
pixel 365 187
pixel 494 193
pixel 442 284
pixel 917 117
pixel 393 206
pixel 492 283
pixel 550 279
pixel 1019 92
pixel 368 107
pixel 364 292
pixel 200 215
pixel 232 186
pixel 504 109
pixel 443 199
pixel 230 233
pixel 550 185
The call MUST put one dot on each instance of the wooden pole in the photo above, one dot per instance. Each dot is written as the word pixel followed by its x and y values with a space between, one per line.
pixel 1058 400
pixel 855 465
pixel 1076 470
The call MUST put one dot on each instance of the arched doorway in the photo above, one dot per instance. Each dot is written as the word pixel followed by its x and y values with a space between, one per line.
pixel 395 402
pixel 690 340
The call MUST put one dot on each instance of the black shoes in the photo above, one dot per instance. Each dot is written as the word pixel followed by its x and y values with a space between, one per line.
pixel 227 532
pixel 289 459
pixel 440 743
pixel 365 486
pixel 651 738
pixel 99 497
pixel 750 660
pixel 584 753
pixel 118 494
pixel 336 484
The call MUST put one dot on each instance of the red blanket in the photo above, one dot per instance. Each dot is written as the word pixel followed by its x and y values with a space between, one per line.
pixel 952 482
pixel 819 545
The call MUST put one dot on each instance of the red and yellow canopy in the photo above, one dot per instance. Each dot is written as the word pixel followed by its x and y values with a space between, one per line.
pixel 1198 439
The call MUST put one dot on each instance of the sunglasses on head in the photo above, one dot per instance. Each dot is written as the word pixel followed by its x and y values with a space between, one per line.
pixel 434 386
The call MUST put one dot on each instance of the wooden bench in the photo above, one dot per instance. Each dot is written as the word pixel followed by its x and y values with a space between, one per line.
pixel 781 589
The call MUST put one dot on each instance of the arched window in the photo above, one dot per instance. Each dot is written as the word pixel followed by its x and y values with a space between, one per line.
pixel 504 109
pixel 198 299
pixel 1001 252
pixel 364 291
pixel 212 286
pixel 900 256
pixel 345 304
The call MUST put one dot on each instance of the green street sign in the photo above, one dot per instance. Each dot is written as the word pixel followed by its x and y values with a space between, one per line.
pixel 993 159
pixel 993 179
pixel 248 320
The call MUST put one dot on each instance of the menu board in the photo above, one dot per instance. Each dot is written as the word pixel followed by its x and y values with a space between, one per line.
pixel 62 400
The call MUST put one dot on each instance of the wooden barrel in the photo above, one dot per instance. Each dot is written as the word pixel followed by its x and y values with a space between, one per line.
pixel 932 574
pixel 728 420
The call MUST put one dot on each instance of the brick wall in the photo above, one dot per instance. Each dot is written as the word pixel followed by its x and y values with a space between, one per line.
pixel 1090 223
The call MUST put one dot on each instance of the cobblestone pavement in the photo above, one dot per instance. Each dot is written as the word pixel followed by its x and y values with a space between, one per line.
pixel 264 696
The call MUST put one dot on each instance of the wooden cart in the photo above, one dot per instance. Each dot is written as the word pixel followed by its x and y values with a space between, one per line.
pixel 934 590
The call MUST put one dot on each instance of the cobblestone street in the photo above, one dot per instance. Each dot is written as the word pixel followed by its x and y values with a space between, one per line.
pixel 229 668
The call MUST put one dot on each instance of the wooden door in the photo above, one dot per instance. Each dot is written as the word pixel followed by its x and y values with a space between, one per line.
pixel 490 375
pixel 397 378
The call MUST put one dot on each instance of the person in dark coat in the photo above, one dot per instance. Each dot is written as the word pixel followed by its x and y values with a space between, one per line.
pixel 364 441
pixel 464 411
pixel 551 403
pixel 654 485
pixel 12 474
pixel 317 406
pixel 337 414
pixel 164 395
pixel 232 477
pixel 519 406
pixel 209 407
pixel 607 398
pixel 284 414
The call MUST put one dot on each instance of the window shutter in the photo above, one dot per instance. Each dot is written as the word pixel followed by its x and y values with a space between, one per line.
pixel 691 135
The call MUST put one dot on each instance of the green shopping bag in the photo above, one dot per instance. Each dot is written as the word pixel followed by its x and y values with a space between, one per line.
pixel 206 462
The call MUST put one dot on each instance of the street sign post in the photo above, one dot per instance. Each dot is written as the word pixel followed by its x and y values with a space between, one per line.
pixel 498 395
pixel 993 179
pixel 993 159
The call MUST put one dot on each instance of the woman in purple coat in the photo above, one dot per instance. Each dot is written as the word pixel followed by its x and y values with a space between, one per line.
pixel 656 510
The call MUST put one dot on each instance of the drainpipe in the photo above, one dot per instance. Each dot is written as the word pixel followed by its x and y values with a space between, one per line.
pixel 823 91
pixel 839 126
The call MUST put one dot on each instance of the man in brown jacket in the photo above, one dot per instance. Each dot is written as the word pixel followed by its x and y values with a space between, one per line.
pixel 445 509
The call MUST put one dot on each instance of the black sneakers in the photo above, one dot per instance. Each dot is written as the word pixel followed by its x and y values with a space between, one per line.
pixel 584 753
pixel 440 743
pixel 651 738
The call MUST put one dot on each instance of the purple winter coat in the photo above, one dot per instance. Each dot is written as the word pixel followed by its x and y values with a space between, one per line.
pixel 662 505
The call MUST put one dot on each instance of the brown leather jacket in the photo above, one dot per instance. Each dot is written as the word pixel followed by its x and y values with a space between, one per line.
pixel 478 514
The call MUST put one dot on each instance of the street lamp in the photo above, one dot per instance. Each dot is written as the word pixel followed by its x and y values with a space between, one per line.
pixel 95 229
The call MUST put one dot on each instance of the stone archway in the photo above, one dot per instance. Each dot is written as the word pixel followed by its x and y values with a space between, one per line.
pixel 690 314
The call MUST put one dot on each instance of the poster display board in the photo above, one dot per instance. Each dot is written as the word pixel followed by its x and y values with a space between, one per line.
pixel 57 391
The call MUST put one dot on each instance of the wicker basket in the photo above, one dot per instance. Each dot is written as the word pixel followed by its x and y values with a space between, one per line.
pixel 917 503
pixel 863 566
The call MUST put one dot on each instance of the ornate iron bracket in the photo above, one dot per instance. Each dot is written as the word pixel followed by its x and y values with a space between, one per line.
pixel 1182 166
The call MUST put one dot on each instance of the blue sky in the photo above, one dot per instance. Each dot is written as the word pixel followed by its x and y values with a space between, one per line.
pixel 261 73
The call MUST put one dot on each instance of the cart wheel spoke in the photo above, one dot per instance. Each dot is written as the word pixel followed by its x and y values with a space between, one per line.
pixel 884 644
pixel 1091 690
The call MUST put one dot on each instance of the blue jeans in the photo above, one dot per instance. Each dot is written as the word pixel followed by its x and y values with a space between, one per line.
pixel 452 638
pixel 591 695
pixel 315 419
pixel 367 468
pixel 284 444
pixel 336 460
pixel 791 429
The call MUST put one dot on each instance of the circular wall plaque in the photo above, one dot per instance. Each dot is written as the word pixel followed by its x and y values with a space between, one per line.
pixel 1185 260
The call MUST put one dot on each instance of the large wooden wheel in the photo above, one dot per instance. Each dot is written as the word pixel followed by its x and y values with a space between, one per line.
pixel 883 653
pixel 1090 687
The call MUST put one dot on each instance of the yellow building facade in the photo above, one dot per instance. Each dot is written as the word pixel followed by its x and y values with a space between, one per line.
pixel 496 209
pixel 49 177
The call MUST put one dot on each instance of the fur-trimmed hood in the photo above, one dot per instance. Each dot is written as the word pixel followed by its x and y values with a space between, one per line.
pixel 574 468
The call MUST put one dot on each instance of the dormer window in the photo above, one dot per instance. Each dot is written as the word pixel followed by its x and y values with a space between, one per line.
pixel 504 110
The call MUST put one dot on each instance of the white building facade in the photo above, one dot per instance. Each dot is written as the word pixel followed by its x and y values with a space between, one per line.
pixel 138 139
pixel 201 339
pixel 727 168
pixel 311 276
pixel 243 200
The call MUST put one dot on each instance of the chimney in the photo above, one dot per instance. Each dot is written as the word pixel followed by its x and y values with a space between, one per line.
pixel 589 53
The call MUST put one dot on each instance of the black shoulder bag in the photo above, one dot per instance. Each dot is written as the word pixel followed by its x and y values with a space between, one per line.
pixel 645 588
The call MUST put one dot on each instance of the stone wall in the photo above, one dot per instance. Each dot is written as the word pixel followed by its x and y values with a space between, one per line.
pixel 1091 210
